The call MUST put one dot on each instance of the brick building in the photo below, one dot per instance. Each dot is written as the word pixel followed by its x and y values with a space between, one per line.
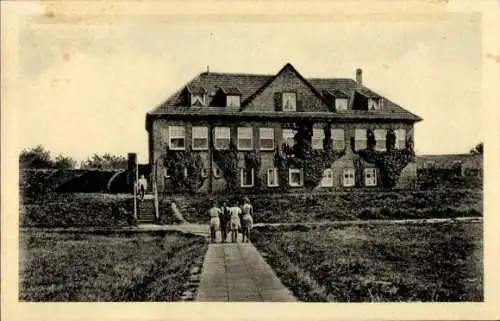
pixel 260 114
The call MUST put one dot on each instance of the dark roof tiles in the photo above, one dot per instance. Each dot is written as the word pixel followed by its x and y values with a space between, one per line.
pixel 247 85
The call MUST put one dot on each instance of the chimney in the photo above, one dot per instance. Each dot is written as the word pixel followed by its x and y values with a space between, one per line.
pixel 359 76
pixel 208 69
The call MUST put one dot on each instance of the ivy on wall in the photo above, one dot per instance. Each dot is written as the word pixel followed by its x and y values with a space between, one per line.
pixel 252 160
pixel 313 162
pixel 227 161
pixel 391 162
pixel 178 163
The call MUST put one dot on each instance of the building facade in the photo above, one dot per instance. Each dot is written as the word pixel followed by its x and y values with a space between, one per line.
pixel 261 114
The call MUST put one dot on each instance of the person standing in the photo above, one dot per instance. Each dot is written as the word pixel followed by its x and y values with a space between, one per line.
pixel 214 213
pixel 247 219
pixel 143 186
pixel 224 221
pixel 234 213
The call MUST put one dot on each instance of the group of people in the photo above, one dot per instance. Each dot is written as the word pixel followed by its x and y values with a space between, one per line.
pixel 231 219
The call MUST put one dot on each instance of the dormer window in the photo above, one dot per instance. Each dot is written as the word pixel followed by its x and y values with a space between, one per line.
pixel 340 104
pixel 374 104
pixel 197 96
pixel 289 101
pixel 367 100
pixel 233 101
pixel 337 99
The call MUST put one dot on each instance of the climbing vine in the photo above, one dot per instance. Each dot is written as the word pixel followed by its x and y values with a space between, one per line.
pixel 312 162
pixel 252 160
pixel 183 169
pixel 227 161
pixel 391 162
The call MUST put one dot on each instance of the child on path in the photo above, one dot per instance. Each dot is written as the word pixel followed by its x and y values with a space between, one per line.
pixel 234 213
pixel 247 219
pixel 214 221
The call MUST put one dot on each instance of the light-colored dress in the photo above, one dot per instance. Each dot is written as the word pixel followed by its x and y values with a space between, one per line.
pixel 247 216
pixel 214 218
pixel 234 213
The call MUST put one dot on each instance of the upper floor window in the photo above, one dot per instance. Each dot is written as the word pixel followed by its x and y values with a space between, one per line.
pixel 245 138
pixel 233 101
pixel 340 104
pixel 374 104
pixel 400 138
pixel 289 101
pixel 317 138
pixel 200 138
pixel 289 137
pixel 266 137
pixel 327 180
pixel 338 141
pixel 360 138
pixel 177 137
pixel 380 137
pixel 222 137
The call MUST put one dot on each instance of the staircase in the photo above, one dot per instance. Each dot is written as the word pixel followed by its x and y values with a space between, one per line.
pixel 146 210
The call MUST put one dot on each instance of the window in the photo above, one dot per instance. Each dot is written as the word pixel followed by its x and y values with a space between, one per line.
pixel 217 172
pixel 200 138
pixel 222 137
pixel 338 141
pixel 165 173
pixel 177 137
pixel 233 101
pixel 360 139
pixel 373 104
pixel 289 137
pixel 204 172
pixel 289 101
pixel 317 138
pixel 348 180
pixel 370 177
pixel 272 177
pixel 400 138
pixel 246 176
pixel 380 135
pixel 185 172
pixel 266 136
pixel 295 177
pixel 340 104
pixel 197 99
pixel 327 180
pixel 245 138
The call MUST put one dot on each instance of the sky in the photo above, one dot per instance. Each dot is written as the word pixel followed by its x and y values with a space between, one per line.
pixel 87 86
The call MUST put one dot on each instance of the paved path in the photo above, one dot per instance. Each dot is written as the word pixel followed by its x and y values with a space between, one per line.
pixel 237 272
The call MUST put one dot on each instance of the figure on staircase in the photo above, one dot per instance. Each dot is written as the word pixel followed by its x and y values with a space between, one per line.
pixel 142 185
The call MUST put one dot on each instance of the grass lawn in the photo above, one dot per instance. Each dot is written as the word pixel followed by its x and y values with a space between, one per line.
pixel 428 263
pixel 118 267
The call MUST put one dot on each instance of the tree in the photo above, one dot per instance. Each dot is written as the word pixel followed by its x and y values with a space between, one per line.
pixel 64 162
pixel 105 162
pixel 478 149
pixel 37 157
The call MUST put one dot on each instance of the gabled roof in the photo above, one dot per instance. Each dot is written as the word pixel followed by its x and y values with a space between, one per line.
pixel 287 67
pixel 249 85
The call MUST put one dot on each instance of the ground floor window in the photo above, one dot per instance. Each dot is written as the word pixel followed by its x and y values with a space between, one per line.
pixel 217 172
pixel 204 172
pixel 370 177
pixel 246 177
pixel 295 177
pixel 327 180
pixel 272 177
pixel 348 177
